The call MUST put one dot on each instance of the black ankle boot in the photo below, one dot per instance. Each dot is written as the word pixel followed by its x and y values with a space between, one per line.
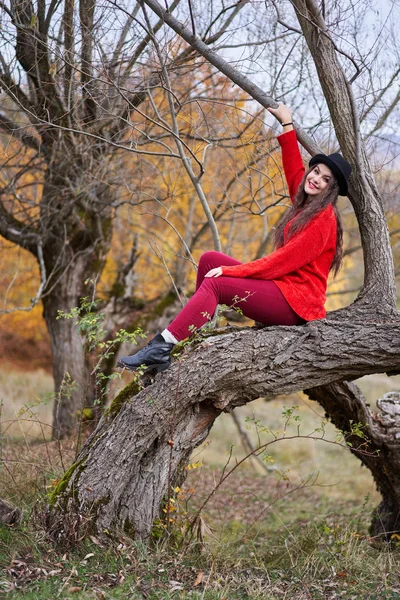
pixel 156 355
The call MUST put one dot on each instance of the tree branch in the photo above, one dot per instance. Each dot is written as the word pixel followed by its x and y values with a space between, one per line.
pixel 18 131
pixel 383 118
pixel 179 144
pixel 43 282
pixel 380 95
pixel 68 20
pixel 227 69
pixel 17 232
pixel 125 30
pixel 32 54
pixel 86 14
pixel 52 8
pixel 216 36
pixel 145 42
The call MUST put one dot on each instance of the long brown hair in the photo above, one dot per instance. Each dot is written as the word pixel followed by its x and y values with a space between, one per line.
pixel 305 208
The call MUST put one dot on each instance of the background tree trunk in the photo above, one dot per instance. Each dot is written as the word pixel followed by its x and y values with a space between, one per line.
pixel 74 253
pixel 72 380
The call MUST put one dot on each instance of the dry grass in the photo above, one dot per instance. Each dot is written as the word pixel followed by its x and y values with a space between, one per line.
pixel 299 531
pixel 26 424
pixel 26 404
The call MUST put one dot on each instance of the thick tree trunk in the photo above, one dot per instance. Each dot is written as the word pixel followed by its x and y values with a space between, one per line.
pixel 73 385
pixel 137 452
pixel 74 252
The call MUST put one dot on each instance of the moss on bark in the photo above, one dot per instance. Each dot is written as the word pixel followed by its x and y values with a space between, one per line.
pixel 126 394
pixel 63 483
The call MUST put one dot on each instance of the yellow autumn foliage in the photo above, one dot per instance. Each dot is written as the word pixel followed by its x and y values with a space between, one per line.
pixel 237 162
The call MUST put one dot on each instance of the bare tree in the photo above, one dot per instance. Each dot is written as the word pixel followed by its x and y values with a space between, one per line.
pixel 144 441
pixel 74 77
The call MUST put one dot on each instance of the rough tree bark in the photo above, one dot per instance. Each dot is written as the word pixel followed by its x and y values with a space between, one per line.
pixel 343 404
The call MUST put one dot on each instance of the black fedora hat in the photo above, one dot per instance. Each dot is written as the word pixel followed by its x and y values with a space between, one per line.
pixel 339 167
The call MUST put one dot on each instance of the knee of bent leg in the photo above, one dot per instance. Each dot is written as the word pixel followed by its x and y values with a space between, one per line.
pixel 209 258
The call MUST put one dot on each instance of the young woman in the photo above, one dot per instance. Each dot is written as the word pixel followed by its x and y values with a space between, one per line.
pixel 287 287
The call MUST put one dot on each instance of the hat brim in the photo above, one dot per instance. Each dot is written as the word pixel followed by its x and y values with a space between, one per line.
pixel 340 178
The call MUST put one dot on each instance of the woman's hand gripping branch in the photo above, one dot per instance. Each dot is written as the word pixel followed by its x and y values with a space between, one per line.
pixel 284 116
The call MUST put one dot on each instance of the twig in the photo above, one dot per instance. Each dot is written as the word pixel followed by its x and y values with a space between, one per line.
pixel 159 254
pixel 248 446
pixel 43 281
pixel 227 69
pixel 185 161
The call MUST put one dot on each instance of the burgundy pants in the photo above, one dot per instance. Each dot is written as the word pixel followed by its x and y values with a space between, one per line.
pixel 258 299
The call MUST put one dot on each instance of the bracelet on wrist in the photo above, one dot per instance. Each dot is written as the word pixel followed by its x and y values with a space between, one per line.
pixel 284 124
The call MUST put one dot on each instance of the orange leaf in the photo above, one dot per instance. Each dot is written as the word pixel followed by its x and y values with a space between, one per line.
pixel 199 579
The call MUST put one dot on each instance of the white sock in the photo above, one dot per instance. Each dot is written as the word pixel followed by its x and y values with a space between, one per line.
pixel 168 337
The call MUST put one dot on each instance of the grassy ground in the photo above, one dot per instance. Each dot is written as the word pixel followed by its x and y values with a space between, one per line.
pixel 295 528
pixel 26 404
pixel 304 547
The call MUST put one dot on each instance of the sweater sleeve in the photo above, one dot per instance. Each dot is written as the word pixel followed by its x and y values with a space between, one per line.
pixel 299 251
pixel 292 162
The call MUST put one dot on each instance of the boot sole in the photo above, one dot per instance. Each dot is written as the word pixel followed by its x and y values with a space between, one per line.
pixel 158 368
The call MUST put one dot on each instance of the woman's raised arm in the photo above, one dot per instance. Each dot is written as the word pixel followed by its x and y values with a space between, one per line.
pixel 284 116
pixel 291 157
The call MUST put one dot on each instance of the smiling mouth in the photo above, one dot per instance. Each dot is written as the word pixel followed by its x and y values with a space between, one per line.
pixel 312 186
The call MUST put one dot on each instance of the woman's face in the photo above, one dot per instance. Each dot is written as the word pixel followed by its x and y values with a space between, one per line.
pixel 317 180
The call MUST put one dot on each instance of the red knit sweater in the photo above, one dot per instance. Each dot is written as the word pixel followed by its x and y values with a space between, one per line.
pixel 300 268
